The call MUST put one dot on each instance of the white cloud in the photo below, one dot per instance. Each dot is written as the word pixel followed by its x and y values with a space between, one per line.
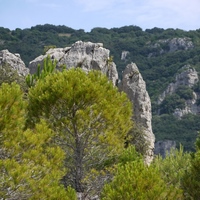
pixel 160 13
pixel 101 5
pixel 177 13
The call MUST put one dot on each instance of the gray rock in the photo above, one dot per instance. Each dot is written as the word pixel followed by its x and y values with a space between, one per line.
pixel 135 87
pixel 15 62
pixel 190 107
pixel 164 147
pixel 86 55
pixel 180 44
pixel 124 55
pixel 188 77
pixel 172 45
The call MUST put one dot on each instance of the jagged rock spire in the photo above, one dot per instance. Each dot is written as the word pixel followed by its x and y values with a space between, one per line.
pixel 135 87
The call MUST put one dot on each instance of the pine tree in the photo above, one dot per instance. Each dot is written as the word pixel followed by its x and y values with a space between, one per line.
pixel 89 115
pixel 31 165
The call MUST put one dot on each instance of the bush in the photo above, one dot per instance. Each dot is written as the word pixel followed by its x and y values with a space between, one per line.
pixel 185 92
pixel 170 103
pixel 135 180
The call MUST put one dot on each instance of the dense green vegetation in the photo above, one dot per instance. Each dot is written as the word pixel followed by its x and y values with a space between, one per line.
pixel 147 48
pixel 79 108
pixel 183 131
pixel 31 165
pixel 64 136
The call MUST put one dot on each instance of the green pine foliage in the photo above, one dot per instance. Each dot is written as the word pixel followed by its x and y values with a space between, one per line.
pixel 134 180
pixel 172 168
pixel 49 67
pixel 89 115
pixel 31 165
pixel 191 178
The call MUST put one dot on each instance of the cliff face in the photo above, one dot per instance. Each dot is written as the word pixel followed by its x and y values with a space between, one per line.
pixel 188 77
pixel 170 45
pixel 86 55
pixel 135 87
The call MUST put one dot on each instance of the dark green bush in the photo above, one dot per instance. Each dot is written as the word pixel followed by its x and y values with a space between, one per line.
pixel 185 92
pixel 170 103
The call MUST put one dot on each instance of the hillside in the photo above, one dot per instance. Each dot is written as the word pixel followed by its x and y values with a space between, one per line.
pixel 159 54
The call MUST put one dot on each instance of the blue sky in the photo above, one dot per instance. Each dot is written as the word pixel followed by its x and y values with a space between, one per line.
pixel 88 14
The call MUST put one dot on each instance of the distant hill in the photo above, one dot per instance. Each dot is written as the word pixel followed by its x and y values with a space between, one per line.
pixel 159 54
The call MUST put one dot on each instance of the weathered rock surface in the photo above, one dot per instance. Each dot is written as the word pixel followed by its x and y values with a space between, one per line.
pixel 170 45
pixel 188 77
pixel 163 147
pixel 86 55
pixel 135 87
pixel 14 61
pixel 180 44
pixel 124 55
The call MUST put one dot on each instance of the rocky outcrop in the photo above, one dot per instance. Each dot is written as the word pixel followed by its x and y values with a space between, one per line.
pixel 180 44
pixel 164 147
pixel 188 77
pixel 124 55
pixel 86 55
pixel 170 45
pixel 135 87
pixel 14 61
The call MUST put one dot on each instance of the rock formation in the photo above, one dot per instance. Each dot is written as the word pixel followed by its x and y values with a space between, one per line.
pixel 188 77
pixel 180 44
pixel 170 45
pixel 86 55
pixel 135 87
pixel 14 61
pixel 124 55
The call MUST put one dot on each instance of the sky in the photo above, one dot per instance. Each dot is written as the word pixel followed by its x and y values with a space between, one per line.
pixel 89 14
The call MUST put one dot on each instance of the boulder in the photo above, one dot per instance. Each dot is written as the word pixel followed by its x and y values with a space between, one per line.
pixel 14 61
